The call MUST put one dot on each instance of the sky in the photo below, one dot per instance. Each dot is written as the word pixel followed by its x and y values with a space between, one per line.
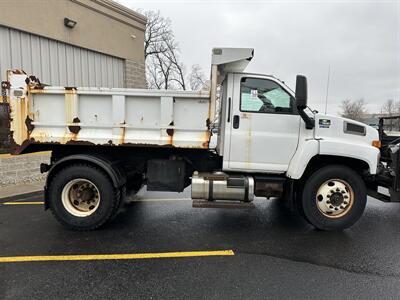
pixel 359 41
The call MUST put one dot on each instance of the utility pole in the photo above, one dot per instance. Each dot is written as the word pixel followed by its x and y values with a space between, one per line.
pixel 327 89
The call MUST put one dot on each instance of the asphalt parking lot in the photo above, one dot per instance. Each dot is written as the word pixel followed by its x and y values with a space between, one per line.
pixel 265 252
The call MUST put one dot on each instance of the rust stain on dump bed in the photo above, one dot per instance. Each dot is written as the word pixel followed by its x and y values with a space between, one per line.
pixel 75 128
pixel 34 83
pixel 21 124
pixel 70 110
pixel 123 130
pixel 170 131
pixel 206 140
pixel 29 125
pixel 70 89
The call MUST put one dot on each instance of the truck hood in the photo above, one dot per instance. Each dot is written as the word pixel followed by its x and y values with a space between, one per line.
pixel 334 127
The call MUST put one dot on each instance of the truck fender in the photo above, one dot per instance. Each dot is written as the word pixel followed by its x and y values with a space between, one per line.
pixel 307 150
pixel 364 152
pixel 110 168
pixel 298 164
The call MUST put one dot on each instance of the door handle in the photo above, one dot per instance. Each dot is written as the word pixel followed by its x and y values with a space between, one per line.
pixel 236 121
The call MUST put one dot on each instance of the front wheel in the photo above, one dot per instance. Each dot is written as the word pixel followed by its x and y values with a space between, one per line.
pixel 334 198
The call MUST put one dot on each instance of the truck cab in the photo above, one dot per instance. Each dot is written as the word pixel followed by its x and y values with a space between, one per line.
pixel 263 128
pixel 260 124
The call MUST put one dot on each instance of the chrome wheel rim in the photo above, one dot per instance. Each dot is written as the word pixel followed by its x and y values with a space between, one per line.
pixel 334 198
pixel 80 197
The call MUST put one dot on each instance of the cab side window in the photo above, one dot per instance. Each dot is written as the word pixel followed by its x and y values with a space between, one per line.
pixel 264 96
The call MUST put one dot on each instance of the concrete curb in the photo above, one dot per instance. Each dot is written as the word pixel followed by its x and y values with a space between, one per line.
pixel 22 196
pixel 12 191
pixel 16 170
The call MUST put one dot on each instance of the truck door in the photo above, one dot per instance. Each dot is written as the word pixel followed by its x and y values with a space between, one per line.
pixel 264 125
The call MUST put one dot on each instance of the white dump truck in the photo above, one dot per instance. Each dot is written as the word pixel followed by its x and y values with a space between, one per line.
pixel 248 136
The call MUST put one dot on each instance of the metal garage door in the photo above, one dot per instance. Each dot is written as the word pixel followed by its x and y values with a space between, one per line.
pixel 57 63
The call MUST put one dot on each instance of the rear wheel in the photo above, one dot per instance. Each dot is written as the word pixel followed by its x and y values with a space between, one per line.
pixel 333 198
pixel 82 197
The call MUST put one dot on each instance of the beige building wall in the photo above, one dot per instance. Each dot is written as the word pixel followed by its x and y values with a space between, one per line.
pixel 102 25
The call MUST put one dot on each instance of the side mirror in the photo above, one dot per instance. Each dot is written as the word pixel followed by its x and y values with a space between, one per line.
pixel 301 100
pixel 301 92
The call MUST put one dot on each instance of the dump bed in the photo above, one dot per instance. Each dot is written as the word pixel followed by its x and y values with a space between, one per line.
pixel 104 116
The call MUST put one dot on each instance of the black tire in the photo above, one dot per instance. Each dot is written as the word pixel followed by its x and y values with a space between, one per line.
pixel 120 201
pixel 133 185
pixel 309 200
pixel 109 197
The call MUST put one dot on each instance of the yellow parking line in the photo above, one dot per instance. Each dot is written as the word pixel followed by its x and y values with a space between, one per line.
pixel 115 256
pixel 23 203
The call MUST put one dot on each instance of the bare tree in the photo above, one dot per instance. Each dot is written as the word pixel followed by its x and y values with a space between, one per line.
pixel 397 107
pixel 389 107
pixel 157 72
pixel 196 78
pixel 158 30
pixel 163 66
pixel 353 109
pixel 178 69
